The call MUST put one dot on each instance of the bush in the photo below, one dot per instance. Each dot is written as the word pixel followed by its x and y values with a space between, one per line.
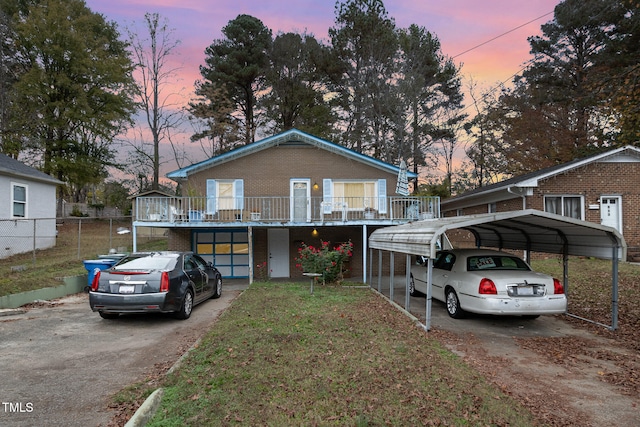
pixel 324 260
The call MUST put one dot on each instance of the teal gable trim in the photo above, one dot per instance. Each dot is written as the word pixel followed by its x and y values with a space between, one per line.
pixel 287 136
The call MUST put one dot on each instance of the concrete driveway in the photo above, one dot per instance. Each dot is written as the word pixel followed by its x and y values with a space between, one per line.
pixel 61 362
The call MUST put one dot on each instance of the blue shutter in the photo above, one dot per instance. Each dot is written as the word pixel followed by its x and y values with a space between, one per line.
pixel 211 196
pixel 238 193
pixel 382 196
pixel 327 196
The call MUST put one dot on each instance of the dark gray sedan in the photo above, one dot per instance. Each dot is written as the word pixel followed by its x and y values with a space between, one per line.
pixel 162 282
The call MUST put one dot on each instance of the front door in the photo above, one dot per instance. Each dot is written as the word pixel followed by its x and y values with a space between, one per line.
pixel 300 206
pixel 278 252
pixel 610 212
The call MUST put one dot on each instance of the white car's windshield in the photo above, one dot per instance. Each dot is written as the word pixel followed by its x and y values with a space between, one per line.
pixel 495 262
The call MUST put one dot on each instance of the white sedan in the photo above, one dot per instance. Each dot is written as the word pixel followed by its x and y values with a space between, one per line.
pixel 488 282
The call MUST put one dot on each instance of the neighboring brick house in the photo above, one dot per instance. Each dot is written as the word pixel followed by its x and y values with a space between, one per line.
pixel 249 210
pixel 603 188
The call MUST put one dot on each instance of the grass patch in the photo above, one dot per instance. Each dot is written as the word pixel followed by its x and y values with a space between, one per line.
pixel 589 295
pixel 343 356
pixel 74 244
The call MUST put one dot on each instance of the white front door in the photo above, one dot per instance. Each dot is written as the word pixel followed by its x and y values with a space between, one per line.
pixel 611 212
pixel 300 202
pixel 278 252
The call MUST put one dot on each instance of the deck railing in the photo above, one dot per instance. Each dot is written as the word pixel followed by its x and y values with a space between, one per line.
pixel 285 209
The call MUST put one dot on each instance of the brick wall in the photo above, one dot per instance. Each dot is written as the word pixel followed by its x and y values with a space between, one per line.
pixel 268 172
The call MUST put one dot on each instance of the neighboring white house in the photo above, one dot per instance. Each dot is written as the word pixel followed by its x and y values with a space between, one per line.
pixel 28 208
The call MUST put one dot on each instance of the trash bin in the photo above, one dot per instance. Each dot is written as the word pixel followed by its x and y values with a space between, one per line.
pixel 94 265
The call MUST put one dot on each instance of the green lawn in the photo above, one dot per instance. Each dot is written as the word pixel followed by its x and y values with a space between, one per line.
pixel 342 356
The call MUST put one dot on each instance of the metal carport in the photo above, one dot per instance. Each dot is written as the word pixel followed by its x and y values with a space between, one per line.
pixel 528 230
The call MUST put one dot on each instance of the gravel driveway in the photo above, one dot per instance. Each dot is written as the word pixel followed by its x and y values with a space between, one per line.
pixel 61 362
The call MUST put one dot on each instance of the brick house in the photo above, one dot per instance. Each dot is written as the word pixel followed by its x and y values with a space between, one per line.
pixel 250 210
pixel 603 188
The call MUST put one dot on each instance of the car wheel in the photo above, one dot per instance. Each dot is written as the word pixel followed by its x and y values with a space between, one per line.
pixel 187 306
pixel 108 315
pixel 412 287
pixel 453 305
pixel 217 290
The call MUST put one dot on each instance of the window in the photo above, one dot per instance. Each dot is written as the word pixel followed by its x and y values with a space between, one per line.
pixel 225 195
pixel 19 194
pixel 357 195
pixel 570 206
pixel 492 208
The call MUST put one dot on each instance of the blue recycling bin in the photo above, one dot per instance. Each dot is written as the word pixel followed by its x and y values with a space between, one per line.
pixel 94 265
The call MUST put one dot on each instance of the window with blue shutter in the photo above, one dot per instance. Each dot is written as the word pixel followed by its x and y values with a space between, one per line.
pixel 382 196
pixel 211 196
pixel 327 195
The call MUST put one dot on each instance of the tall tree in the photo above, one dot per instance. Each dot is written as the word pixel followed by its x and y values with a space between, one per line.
pixel 431 89
pixel 487 162
pixel 10 69
pixel 235 71
pixel 298 89
pixel 365 44
pixel 617 72
pixel 77 84
pixel 563 105
pixel 160 105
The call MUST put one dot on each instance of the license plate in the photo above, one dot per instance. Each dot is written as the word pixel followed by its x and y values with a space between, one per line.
pixel 127 289
pixel 525 290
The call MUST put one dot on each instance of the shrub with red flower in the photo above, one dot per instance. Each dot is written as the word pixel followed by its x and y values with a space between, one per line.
pixel 324 260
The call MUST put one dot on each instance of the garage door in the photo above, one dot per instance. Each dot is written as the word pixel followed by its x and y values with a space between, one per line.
pixel 228 249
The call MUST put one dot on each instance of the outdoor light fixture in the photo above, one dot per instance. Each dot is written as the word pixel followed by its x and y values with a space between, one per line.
pixel 123 230
pixel 314 233
pixel 315 186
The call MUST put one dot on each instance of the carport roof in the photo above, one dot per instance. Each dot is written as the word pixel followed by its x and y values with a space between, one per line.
pixel 529 229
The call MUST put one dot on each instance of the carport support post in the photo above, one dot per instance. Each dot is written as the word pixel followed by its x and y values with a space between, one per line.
pixel 406 284
pixel 427 322
pixel 370 268
pixel 614 290
pixel 391 274
pixel 379 271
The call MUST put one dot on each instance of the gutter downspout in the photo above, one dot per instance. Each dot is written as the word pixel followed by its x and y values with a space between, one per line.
pixel 524 197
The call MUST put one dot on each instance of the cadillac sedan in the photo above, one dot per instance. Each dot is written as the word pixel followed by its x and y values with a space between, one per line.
pixel 488 282
pixel 162 282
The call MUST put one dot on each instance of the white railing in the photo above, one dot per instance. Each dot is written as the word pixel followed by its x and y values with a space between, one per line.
pixel 285 209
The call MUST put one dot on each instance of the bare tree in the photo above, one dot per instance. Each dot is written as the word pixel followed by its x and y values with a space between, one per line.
pixel 155 76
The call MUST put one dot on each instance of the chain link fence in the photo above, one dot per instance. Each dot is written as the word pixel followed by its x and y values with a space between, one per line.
pixel 28 241
pixel 41 253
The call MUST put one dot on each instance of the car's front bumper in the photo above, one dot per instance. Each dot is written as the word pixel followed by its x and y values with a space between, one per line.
pixel 131 303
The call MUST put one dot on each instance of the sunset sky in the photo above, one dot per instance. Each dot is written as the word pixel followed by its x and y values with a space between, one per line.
pixel 460 25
